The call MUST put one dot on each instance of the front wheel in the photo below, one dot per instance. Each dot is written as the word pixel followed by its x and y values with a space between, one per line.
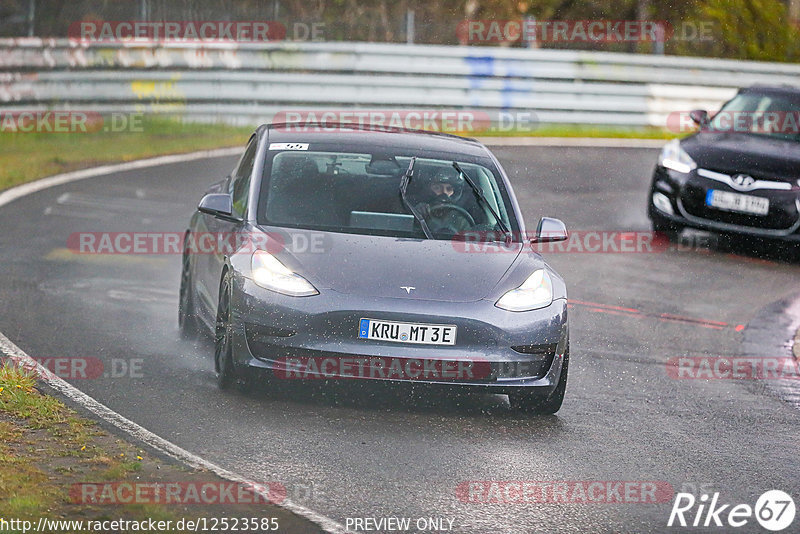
pixel 187 318
pixel 223 338
pixel 526 402
pixel 670 229
pixel 226 372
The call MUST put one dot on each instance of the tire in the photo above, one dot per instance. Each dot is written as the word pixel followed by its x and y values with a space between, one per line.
pixel 223 339
pixel 525 402
pixel 670 229
pixel 187 316
pixel 226 372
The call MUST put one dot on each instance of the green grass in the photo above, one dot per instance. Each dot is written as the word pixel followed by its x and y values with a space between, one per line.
pixel 27 156
pixel 23 487
pixel 17 398
pixel 119 470
pixel 42 429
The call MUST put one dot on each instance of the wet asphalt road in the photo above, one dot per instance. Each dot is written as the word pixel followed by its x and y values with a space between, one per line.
pixel 377 453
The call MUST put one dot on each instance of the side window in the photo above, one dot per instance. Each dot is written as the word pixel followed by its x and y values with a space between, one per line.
pixel 240 181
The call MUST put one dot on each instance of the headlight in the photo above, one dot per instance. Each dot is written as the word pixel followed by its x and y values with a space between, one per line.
pixel 675 158
pixel 271 274
pixel 536 292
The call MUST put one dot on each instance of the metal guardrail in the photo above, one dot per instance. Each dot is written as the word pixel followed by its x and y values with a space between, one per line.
pixel 250 83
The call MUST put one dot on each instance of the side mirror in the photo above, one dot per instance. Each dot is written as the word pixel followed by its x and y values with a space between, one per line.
pixel 699 116
pixel 219 205
pixel 550 231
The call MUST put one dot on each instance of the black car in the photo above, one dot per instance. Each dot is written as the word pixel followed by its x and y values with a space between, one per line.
pixel 350 260
pixel 739 174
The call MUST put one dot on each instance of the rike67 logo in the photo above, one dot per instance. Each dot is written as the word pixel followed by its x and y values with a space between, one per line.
pixel 774 510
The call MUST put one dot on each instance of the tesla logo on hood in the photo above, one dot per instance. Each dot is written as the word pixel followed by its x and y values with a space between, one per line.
pixel 743 180
pixel 408 289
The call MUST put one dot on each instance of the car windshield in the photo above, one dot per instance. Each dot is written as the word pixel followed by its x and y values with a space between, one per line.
pixel 359 192
pixel 760 114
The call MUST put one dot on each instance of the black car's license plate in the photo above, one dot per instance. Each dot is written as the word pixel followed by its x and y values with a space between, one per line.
pixel 728 201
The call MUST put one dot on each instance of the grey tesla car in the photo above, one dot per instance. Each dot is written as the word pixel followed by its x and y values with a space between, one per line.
pixel 375 254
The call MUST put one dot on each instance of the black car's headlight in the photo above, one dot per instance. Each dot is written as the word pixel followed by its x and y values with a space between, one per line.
pixel 675 158
pixel 271 274
pixel 534 293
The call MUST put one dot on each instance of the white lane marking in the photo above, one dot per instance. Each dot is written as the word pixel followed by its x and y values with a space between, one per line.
pixel 112 202
pixel 50 210
pixel 573 142
pixel 20 191
pixel 110 205
pixel 121 294
pixel 101 410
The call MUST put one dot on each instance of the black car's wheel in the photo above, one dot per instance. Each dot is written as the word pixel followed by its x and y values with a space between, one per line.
pixel 223 338
pixel 187 318
pixel 548 405
pixel 670 229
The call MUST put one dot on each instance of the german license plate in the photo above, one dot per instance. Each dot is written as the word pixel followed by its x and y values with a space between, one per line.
pixel 426 334
pixel 725 200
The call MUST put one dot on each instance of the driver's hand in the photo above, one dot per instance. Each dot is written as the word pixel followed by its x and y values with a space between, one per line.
pixel 424 210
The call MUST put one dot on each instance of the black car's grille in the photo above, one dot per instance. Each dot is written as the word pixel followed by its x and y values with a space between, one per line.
pixel 782 208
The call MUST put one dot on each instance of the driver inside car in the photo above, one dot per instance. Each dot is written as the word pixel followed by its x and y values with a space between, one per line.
pixel 442 203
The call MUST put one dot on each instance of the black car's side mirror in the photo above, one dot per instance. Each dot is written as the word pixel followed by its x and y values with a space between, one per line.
pixel 550 231
pixel 219 205
pixel 699 116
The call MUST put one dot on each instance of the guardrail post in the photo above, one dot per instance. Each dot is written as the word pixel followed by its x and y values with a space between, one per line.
pixel 410 29
pixel 31 16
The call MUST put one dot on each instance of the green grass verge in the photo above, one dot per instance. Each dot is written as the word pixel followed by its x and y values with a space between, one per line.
pixel 28 156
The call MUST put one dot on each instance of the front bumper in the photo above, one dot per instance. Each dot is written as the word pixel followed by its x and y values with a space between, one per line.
pixel 508 351
pixel 680 204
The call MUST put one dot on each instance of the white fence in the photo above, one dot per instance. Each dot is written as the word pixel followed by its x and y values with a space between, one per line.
pixel 250 83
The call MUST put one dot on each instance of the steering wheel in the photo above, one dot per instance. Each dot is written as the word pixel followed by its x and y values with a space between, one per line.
pixel 454 209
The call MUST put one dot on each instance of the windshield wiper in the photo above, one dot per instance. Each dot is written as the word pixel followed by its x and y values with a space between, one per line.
pixel 403 186
pixel 479 193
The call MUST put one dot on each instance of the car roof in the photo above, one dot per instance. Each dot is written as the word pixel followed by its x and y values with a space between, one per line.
pixel 349 133
pixel 785 89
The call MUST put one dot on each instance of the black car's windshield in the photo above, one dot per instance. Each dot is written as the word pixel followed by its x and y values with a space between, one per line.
pixel 357 192
pixel 759 113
